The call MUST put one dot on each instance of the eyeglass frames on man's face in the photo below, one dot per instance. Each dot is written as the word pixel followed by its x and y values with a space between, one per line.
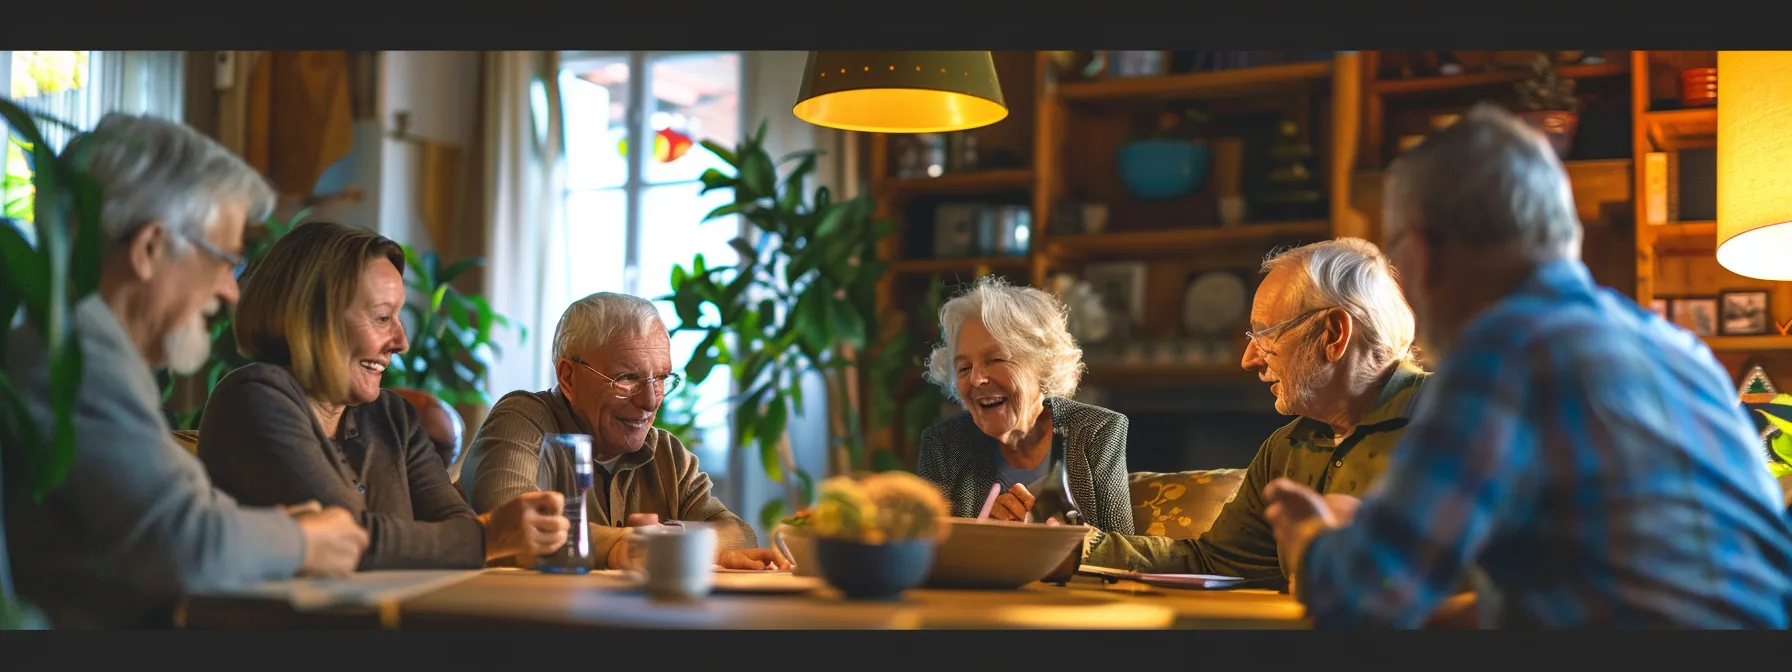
pixel 236 262
pixel 1271 331
pixel 629 386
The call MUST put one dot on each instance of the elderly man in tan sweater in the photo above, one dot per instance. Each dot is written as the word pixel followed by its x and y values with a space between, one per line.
pixel 613 365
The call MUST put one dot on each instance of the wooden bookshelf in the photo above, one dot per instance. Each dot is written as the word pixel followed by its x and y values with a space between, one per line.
pixel 1396 87
pixel 1674 130
pixel 951 184
pixel 1174 241
pixel 1218 84
pixel 974 266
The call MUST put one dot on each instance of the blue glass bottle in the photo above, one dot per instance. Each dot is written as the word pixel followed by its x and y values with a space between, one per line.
pixel 575 556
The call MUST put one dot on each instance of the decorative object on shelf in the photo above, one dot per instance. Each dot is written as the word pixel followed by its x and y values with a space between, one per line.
pixel 963 156
pixel 1004 230
pixel 1122 288
pixel 1293 191
pixel 1549 103
pixel 1756 387
pixel 1087 318
pixel 1659 307
pixel 1754 148
pixel 1592 57
pixel 955 230
pixel 1215 304
pixel 934 154
pixel 1228 180
pixel 875 536
pixel 1695 314
pixel 1698 87
pixel 1448 65
pixel 1138 63
pixel 1744 312
pixel 1168 159
pixel 900 91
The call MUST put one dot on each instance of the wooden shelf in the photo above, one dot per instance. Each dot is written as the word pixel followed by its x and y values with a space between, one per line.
pixel 1173 241
pixel 1019 179
pixel 1749 343
pixel 1696 237
pixel 1672 130
pixel 1394 87
pixel 1216 84
pixel 948 266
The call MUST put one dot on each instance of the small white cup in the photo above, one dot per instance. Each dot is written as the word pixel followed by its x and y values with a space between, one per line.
pixel 680 560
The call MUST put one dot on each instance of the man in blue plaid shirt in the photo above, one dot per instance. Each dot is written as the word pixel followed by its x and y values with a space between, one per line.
pixel 1590 457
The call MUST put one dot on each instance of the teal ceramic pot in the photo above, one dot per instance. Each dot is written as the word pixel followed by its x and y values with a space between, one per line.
pixel 1163 169
pixel 874 572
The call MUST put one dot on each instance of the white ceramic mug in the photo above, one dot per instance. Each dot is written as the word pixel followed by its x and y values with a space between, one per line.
pixel 797 547
pixel 680 560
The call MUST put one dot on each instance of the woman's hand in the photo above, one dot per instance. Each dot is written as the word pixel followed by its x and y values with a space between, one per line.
pixel 1013 504
pixel 531 525
pixel 751 558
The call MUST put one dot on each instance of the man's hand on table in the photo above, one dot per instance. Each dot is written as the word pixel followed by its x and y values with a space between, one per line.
pixel 1298 514
pixel 624 556
pixel 531 525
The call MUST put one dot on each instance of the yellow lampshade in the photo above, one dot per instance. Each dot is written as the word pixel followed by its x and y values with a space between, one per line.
pixel 1754 163
pixel 900 91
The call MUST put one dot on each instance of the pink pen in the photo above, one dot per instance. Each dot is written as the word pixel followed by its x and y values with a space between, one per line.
pixel 995 490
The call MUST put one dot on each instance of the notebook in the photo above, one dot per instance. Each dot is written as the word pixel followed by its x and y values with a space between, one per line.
pixel 1196 581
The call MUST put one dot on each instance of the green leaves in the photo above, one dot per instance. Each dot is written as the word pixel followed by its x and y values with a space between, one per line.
pixel 451 343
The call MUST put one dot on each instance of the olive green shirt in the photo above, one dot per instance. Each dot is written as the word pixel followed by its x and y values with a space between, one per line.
pixel 1241 542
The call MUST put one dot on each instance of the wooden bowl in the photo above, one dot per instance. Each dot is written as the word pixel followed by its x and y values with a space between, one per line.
pixel 1000 554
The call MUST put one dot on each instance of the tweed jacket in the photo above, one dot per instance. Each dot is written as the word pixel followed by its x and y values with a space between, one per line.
pixel 959 458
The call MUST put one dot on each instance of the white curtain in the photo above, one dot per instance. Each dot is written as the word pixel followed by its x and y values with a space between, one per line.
pixel 522 177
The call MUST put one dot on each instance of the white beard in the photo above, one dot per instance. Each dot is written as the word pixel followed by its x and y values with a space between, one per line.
pixel 190 346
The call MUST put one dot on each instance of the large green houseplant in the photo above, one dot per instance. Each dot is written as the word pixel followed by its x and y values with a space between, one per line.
pixel 45 280
pixel 802 299
pixel 452 350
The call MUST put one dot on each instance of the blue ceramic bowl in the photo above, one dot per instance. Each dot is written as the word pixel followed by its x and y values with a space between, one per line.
pixel 880 572
pixel 1161 169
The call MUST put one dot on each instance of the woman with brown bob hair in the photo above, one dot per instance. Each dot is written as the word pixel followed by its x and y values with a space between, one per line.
pixel 308 421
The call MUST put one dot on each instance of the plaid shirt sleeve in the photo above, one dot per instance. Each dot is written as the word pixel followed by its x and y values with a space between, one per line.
pixel 1448 482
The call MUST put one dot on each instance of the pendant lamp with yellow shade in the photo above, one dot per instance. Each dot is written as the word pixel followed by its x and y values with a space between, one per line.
pixel 1754 163
pixel 900 91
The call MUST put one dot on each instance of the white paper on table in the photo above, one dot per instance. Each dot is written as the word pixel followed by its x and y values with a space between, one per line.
pixel 359 589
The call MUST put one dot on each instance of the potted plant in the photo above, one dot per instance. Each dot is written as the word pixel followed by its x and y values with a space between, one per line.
pixel 874 537
pixel 44 277
pixel 1549 103
pixel 803 299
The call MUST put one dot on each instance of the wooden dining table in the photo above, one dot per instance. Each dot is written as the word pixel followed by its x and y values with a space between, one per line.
pixel 523 598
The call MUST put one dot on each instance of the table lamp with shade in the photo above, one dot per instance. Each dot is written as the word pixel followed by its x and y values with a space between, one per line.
pixel 900 91
pixel 1754 164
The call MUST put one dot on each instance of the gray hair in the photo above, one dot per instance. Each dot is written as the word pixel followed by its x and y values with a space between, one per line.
pixel 1028 322
pixel 1488 182
pixel 1353 274
pixel 154 169
pixel 594 320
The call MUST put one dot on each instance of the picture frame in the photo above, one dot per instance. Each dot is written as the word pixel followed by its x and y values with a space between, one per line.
pixel 1121 286
pixel 1697 314
pixel 1660 308
pixel 1743 312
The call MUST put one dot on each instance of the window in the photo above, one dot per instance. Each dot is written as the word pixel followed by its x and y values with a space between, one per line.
pixel 79 87
pixel 630 216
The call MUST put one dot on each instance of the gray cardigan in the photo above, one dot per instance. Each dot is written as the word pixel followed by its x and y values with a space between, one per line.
pixel 260 442
pixel 137 523
pixel 960 459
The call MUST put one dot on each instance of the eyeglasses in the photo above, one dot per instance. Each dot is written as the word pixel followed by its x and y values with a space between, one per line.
pixel 628 385
pixel 237 263
pixel 1270 332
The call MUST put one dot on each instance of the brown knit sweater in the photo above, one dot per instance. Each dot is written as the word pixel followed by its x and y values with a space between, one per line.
pixel 662 478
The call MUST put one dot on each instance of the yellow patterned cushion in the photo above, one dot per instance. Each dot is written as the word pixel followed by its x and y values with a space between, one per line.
pixel 1180 505
pixel 188 439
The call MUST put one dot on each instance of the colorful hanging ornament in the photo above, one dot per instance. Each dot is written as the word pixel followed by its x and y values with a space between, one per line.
pixel 668 145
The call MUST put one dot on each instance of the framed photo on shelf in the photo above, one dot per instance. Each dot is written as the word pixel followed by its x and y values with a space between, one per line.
pixel 1121 286
pixel 1744 312
pixel 1697 314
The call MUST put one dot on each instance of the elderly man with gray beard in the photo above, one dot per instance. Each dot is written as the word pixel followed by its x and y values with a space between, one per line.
pixel 137 523
pixel 1332 336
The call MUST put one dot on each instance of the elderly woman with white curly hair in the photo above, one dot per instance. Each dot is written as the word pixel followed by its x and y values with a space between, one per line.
pixel 1009 360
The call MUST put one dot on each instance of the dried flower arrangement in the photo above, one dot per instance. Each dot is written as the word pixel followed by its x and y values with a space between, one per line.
pixel 1547 89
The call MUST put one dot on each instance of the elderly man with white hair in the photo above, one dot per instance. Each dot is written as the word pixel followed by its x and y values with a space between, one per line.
pixel 613 362
pixel 1332 335
pixel 1587 455
pixel 137 523
pixel 1008 358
